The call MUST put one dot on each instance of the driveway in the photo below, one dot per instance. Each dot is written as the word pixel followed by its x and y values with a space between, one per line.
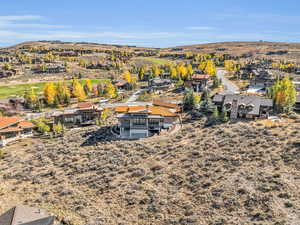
pixel 229 85
pixel 135 95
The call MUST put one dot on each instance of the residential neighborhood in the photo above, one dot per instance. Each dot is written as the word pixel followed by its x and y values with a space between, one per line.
pixel 149 112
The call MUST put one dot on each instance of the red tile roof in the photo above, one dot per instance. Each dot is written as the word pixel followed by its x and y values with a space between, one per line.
pixel 84 105
pixel 201 76
pixel 8 121
pixel 26 124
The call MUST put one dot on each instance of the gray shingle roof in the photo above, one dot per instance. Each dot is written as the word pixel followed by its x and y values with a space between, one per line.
pixel 24 215
pixel 254 100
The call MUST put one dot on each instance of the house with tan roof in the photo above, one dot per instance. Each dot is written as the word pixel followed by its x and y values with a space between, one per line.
pixel 14 128
pixel 144 121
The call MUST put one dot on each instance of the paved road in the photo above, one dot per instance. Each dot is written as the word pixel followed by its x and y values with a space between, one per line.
pixel 229 85
pixel 132 101
pixel 135 95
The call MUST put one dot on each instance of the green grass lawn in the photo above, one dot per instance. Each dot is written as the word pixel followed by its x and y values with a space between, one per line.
pixel 19 89
pixel 159 61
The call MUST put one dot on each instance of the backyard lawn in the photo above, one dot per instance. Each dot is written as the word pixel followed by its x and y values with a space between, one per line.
pixel 19 89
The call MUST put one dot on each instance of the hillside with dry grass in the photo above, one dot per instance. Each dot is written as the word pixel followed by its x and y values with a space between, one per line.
pixel 239 173
pixel 271 50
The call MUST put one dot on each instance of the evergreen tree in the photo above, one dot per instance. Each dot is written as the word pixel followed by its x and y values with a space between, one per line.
pixel 31 98
pixel 189 100
pixel 215 115
pixel 224 116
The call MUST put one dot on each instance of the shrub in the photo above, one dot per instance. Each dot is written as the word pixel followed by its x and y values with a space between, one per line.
pixel 58 128
pixel 2 154
pixel 42 127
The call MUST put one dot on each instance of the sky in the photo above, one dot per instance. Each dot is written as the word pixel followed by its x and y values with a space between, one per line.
pixel 149 23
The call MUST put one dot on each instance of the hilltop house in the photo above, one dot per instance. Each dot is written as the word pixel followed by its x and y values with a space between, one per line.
pixel 84 114
pixel 198 82
pixel 244 106
pixel 14 128
pixel 24 215
pixel 144 121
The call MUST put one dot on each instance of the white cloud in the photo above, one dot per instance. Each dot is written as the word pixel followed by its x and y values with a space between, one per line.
pixel 20 18
pixel 25 21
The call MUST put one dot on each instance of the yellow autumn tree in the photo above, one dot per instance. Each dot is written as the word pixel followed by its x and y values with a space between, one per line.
pixel 131 79
pixel 111 91
pixel 156 71
pixel 88 85
pixel 78 91
pixel 284 94
pixel 190 70
pixel 183 72
pixel 127 76
pixel 173 72
pixel 228 64
pixel 50 93
pixel 210 68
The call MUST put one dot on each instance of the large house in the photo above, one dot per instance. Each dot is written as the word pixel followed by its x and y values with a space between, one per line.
pixel 50 68
pixel 158 84
pixel 198 82
pixel 244 106
pixel 14 128
pixel 144 121
pixel 24 215
pixel 84 114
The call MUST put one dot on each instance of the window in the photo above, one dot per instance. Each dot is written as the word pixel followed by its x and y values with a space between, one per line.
pixel 139 121
pixel 153 121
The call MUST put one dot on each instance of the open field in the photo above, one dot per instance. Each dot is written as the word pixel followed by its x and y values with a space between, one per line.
pixel 19 89
pixel 153 60
pixel 240 173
